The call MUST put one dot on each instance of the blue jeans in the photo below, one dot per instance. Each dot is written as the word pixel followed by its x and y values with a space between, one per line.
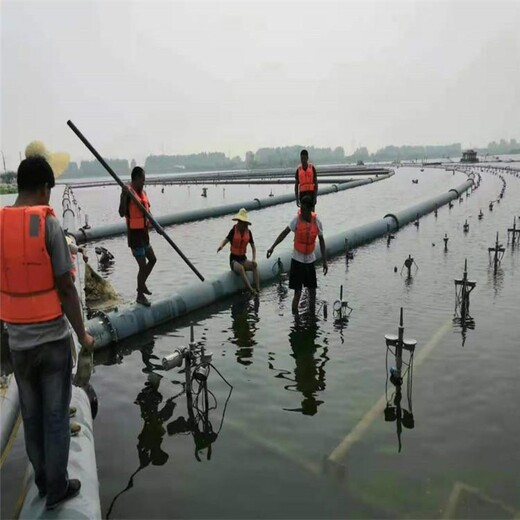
pixel 44 378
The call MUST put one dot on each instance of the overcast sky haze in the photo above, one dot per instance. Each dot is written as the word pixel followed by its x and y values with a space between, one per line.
pixel 151 77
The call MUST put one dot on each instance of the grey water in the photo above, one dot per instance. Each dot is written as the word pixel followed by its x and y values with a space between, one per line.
pixel 302 384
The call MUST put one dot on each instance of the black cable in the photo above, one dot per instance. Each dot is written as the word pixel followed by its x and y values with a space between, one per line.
pixel 228 397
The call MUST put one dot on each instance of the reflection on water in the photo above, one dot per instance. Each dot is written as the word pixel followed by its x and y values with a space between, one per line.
pixel 154 414
pixel 464 324
pixel 244 316
pixel 150 439
pixel 496 280
pixel 310 359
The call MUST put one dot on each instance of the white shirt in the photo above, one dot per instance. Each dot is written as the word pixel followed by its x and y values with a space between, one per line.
pixel 300 257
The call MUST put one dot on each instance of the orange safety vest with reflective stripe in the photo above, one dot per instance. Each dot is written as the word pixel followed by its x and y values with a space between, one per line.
pixel 305 234
pixel 27 290
pixel 239 242
pixel 306 178
pixel 136 219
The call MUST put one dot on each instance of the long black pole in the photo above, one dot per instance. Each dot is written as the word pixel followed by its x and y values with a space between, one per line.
pixel 154 223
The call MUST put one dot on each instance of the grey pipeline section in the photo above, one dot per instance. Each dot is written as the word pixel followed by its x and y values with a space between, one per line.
pixel 118 325
pixel 87 235
pixel 10 410
pixel 82 465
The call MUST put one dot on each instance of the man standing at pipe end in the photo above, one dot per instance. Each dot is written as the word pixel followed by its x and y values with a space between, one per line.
pixel 137 232
pixel 306 226
pixel 36 294
pixel 306 181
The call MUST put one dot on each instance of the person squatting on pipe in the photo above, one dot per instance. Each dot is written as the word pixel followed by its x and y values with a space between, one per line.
pixel 306 226
pixel 239 237
pixel 36 293
pixel 306 181
pixel 137 232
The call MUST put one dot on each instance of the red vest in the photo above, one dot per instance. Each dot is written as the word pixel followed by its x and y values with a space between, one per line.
pixel 27 291
pixel 306 178
pixel 240 241
pixel 305 235
pixel 136 219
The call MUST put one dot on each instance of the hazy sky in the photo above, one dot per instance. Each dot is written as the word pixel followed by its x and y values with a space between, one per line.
pixel 180 77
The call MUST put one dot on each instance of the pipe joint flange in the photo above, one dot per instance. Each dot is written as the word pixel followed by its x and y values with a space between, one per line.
pixel 391 215
pixel 455 191
pixel 259 202
pixel 68 209
pixel 108 324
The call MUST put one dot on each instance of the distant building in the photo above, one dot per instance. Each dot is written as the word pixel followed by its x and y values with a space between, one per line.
pixel 469 156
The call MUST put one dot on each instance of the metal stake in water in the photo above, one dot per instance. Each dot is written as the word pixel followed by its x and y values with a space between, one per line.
pixel 498 252
pixel 466 286
pixel 445 241
pixel 399 346
pixel 514 232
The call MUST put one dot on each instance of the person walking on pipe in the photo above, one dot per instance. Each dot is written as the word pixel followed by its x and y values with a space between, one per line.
pixel 137 232
pixel 306 227
pixel 239 237
pixel 306 181
pixel 36 293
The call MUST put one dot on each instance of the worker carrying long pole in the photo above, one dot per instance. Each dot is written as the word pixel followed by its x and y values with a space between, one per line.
pixel 135 200
pixel 137 225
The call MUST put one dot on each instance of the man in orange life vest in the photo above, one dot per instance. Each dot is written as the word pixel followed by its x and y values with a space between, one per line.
pixel 137 231
pixel 239 237
pixel 306 227
pixel 306 182
pixel 36 293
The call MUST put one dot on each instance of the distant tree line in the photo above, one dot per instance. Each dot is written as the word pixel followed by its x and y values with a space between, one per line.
pixel 282 157
pixel 8 177
pixel 192 162
pixel 94 168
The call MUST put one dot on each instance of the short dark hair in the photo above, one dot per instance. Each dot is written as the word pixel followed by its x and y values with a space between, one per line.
pixel 137 172
pixel 307 201
pixel 304 152
pixel 34 173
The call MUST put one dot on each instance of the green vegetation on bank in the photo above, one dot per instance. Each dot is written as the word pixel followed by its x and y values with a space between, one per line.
pixel 7 189
pixel 8 183
pixel 282 157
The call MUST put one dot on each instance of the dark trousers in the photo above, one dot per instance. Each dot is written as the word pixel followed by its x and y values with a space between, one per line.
pixel 44 378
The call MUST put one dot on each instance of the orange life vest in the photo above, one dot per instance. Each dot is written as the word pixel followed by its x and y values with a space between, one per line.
pixel 136 219
pixel 306 178
pixel 305 235
pixel 27 290
pixel 240 241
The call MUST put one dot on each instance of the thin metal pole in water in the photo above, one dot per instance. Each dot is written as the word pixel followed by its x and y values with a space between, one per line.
pixel 154 223
pixel 399 346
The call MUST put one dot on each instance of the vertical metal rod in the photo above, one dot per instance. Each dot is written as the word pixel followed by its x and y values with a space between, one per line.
pixel 399 346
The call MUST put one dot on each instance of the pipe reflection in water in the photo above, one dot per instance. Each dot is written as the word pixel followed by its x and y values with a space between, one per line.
pixel 244 317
